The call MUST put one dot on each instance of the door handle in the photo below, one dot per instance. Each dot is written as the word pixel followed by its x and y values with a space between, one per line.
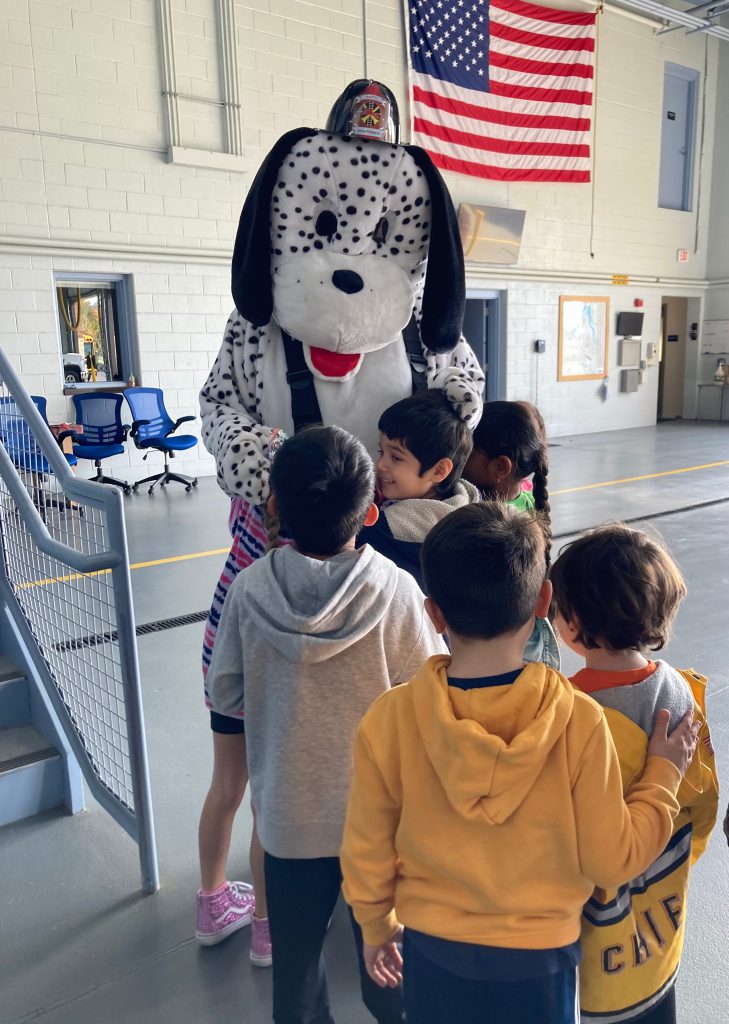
pixel 682 151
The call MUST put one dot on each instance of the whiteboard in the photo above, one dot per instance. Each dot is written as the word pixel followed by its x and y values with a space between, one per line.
pixel 715 338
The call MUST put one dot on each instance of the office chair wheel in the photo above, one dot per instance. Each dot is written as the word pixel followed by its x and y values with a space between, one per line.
pixel 194 482
pixel 151 489
pixel 134 488
pixel 127 489
pixel 189 487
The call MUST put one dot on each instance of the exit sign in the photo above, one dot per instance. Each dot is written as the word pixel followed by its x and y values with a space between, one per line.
pixel 682 255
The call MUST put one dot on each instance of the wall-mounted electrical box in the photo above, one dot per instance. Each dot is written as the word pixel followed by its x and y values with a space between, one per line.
pixel 628 352
pixel 540 345
pixel 651 351
pixel 629 381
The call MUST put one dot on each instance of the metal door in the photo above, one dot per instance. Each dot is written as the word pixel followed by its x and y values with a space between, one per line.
pixel 476 332
pixel 677 137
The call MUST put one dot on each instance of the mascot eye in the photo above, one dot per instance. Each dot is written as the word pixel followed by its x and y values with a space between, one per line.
pixel 326 224
pixel 380 233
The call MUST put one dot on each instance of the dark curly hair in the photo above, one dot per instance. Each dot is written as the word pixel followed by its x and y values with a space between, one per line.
pixel 620 587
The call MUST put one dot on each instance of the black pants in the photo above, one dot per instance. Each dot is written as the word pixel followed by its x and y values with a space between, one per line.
pixel 301 898
pixel 663 1013
pixel 435 996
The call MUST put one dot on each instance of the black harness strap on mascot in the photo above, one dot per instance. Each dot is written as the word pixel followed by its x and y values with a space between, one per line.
pixel 304 403
pixel 418 362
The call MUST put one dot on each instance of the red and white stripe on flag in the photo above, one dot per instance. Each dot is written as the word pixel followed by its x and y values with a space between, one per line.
pixel 532 121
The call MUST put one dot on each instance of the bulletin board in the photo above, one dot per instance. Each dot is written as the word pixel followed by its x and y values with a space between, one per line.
pixel 583 337
pixel 715 338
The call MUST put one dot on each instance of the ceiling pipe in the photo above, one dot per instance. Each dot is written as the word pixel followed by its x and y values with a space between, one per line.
pixel 705 7
pixel 674 16
pixel 713 9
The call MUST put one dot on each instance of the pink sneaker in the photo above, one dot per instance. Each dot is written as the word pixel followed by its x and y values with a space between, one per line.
pixel 223 912
pixel 261 952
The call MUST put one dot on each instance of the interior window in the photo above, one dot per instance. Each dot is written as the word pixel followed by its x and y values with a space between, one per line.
pixel 88 319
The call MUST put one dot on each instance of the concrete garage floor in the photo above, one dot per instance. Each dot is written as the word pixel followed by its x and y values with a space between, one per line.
pixel 79 944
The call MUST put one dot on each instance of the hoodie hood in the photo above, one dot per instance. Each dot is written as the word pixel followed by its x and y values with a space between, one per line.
pixel 412 519
pixel 310 610
pixel 488 745
pixel 403 526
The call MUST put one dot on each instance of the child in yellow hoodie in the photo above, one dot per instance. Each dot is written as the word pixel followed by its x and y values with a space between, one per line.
pixel 616 591
pixel 487 800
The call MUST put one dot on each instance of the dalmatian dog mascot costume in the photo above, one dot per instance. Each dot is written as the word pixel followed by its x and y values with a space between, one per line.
pixel 348 281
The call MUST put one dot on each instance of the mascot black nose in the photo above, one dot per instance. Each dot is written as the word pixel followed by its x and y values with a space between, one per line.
pixel 347 281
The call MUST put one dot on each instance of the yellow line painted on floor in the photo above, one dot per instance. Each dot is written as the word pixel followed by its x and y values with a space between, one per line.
pixel 634 479
pixel 224 551
pixel 180 558
pixel 61 579
pixel 134 565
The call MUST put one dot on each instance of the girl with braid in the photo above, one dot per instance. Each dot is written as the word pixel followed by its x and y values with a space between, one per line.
pixel 509 447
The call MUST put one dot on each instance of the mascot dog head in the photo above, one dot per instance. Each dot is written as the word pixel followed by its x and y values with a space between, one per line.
pixel 341 240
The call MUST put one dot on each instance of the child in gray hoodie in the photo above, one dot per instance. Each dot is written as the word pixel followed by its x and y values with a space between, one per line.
pixel 309 637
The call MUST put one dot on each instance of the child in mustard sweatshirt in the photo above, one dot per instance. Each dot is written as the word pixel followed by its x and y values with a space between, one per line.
pixel 487 801
pixel 616 591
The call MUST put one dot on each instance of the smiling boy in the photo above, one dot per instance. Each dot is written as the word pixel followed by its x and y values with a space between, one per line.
pixel 425 441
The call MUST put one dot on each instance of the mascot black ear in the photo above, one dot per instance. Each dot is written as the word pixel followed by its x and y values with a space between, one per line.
pixel 251 271
pixel 444 293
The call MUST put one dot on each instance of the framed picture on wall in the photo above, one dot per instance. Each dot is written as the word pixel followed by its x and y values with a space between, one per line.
pixel 583 337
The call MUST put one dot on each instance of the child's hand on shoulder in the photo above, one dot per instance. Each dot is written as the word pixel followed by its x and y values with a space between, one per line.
pixel 384 962
pixel 679 747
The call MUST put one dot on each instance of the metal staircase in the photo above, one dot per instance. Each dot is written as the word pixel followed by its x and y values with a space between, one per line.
pixel 68 707
pixel 32 776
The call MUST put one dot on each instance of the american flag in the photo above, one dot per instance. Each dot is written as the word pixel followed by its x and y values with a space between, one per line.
pixel 502 89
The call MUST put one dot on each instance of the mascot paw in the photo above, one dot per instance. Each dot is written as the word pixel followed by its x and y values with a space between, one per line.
pixel 463 394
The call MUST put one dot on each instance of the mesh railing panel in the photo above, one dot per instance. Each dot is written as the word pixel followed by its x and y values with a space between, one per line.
pixel 60 604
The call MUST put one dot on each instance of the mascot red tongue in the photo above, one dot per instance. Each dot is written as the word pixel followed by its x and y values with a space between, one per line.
pixel 348 281
pixel 333 364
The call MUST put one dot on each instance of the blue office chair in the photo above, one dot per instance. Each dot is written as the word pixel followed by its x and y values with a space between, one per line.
pixel 26 454
pixel 152 427
pixel 99 413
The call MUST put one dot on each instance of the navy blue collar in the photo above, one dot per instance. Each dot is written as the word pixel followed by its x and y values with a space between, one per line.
pixel 480 682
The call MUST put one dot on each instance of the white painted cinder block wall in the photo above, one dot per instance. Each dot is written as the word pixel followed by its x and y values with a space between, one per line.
pixel 86 186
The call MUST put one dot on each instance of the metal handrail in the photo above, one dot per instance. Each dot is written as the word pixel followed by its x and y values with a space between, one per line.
pixel 137 820
pixel 38 529
pixel 88 490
